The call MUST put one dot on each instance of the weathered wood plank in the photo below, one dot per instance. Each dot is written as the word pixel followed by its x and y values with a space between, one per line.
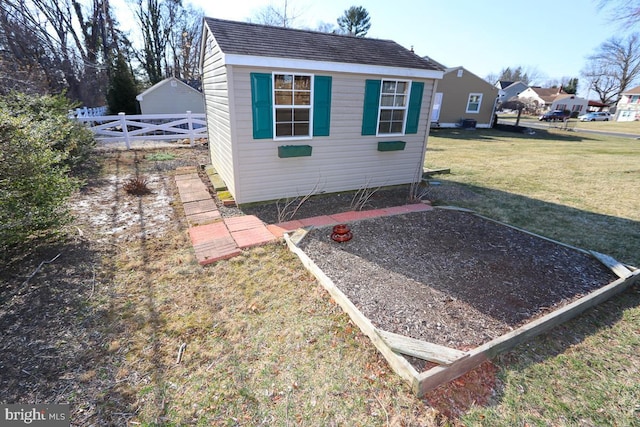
pixel 421 349
pixel 437 375
pixel 616 266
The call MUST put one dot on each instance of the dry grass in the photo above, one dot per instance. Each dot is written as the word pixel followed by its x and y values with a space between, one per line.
pixel 265 345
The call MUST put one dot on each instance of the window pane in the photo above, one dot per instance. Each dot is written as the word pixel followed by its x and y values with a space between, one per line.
pixel 385 115
pixel 283 129
pixel 386 100
pixel 284 115
pixel 302 98
pixel 301 114
pixel 396 127
pixel 400 99
pixel 398 115
pixel 284 97
pixel 303 82
pixel 283 81
pixel 384 127
pixel 301 129
pixel 388 87
pixel 402 87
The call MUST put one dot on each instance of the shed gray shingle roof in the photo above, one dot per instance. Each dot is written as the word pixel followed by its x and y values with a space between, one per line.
pixel 243 38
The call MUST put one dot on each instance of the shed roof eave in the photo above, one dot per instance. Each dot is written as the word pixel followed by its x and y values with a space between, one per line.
pixel 325 66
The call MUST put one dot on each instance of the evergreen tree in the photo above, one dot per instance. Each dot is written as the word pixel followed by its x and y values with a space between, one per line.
pixel 571 87
pixel 355 21
pixel 121 95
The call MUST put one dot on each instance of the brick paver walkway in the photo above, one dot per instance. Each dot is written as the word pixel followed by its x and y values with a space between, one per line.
pixel 215 238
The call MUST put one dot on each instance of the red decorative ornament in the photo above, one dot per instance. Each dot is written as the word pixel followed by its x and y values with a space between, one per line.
pixel 341 233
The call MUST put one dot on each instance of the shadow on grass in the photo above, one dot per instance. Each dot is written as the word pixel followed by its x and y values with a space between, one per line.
pixel 65 324
pixel 53 347
pixel 491 134
pixel 617 237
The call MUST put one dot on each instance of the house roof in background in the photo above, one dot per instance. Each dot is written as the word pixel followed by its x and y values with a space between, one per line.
pixel 548 94
pixel 247 39
pixel 632 91
pixel 503 84
pixel 164 82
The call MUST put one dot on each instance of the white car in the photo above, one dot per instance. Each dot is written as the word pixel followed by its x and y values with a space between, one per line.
pixel 596 116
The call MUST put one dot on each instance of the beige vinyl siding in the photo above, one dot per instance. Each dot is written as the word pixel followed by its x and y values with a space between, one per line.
pixel 455 96
pixel 168 99
pixel 215 85
pixel 345 160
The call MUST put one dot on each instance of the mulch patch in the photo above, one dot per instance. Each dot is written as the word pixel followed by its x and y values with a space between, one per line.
pixel 452 278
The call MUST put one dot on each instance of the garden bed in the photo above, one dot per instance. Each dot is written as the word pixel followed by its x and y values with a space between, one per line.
pixel 453 286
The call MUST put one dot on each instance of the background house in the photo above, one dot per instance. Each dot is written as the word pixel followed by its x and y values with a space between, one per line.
pixel 508 90
pixel 293 112
pixel 461 95
pixel 539 100
pixel 171 96
pixel 628 106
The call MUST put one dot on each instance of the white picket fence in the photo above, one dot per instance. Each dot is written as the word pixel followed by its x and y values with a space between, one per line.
pixel 130 128
pixel 88 112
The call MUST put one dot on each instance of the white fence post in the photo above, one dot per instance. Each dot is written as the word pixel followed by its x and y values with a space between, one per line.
pixel 125 132
pixel 190 124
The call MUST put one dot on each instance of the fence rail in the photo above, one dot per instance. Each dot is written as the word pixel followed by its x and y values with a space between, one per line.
pixel 88 112
pixel 129 128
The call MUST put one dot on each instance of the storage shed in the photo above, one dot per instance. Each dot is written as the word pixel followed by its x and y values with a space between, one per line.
pixel 294 112
pixel 171 96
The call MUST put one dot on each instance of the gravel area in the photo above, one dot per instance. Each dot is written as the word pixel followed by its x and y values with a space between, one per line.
pixel 452 278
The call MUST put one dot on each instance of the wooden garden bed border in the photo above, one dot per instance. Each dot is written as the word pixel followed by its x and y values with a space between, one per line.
pixel 453 363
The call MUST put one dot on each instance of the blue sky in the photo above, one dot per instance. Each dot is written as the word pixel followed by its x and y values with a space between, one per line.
pixel 550 37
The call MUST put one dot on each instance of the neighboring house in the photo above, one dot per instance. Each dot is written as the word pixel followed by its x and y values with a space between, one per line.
pixel 548 99
pixel 463 96
pixel 628 107
pixel 171 96
pixel 508 90
pixel 573 103
pixel 596 106
pixel 294 112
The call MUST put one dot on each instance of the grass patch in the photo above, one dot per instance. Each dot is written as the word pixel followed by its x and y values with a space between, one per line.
pixel 160 157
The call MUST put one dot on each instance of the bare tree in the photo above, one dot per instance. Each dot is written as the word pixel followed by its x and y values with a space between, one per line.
pixel 56 46
pixel 184 41
pixel 277 16
pixel 613 67
pixel 626 12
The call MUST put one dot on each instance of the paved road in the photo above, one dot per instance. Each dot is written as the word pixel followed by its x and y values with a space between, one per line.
pixel 535 124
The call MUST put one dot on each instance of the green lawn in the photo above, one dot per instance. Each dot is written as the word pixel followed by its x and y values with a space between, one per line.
pixel 580 189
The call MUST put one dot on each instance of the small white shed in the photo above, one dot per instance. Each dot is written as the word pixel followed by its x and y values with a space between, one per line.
pixel 295 112
pixel 171 96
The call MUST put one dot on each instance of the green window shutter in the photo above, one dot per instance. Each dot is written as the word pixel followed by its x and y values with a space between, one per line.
pixel 415 102
pixel 370 110
pixel 261 106
pixel 321 105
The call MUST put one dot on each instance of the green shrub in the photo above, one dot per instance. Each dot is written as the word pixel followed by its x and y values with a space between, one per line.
pixel 72 139
pixel 39 149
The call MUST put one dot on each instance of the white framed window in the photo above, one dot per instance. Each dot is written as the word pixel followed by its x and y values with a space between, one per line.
pixel 292 105
pixel 392 114
pixel 474 102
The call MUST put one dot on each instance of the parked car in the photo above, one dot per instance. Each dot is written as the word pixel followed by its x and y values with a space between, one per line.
pixel 554 116
pixel 596 116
